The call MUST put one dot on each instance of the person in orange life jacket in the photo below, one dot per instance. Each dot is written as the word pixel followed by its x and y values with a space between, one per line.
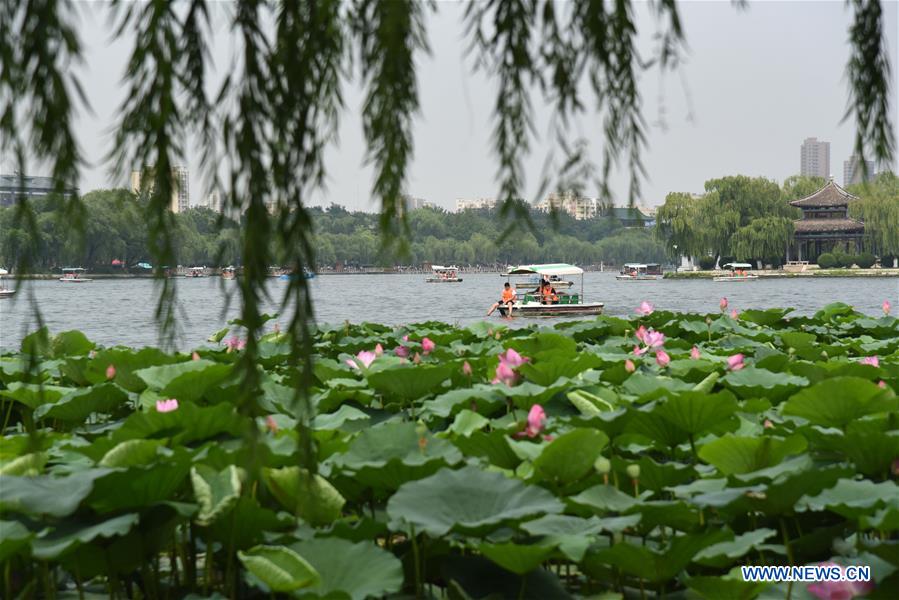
pixel 508 298
pixel 549 294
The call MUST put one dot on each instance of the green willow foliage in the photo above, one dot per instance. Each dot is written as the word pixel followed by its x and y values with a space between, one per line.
pixel 277 117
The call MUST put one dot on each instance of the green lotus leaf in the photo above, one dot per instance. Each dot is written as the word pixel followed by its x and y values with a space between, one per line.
pixel 675 514
pixel 347 418
pixel 279 568
pixel 312 498
pixel 851 498
pixel 78 405
pixel 69 535
pixel 838 401
pixel 186 381
pixel 71 343
pixel 725 553
pixel 131 453
pixel 545 344
pixel 126 362
pixel 766 317
pixel 570 457
pixel 467 422
pixel 734 455
pixel 564 525
pixel 14 537
pixel 215 491
pixel 477 577
pixel 549 370
pixel 655 565
pixel 646 421
pixel 33 395
pixel 409 382
pixel 640 384
pixel 138 487
pixel 873 452
pixel 468 500
pixel 605 498
pixel 187 424
pixel 655 476
pixel 359 571
pixel 27 464
pixel 526 394
pixel 493 445
pixel 249 524
pixel 47 495
pixel 696 412
pixel 754 382
pixel 487 398
pixel 517 558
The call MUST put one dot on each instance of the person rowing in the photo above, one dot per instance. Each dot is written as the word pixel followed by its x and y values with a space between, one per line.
pixel 508 299
pixel 549 294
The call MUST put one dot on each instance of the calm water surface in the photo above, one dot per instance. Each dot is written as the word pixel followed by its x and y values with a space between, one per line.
pixel 120 311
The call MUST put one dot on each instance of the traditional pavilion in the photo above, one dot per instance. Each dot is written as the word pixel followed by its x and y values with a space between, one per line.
pixel 825 222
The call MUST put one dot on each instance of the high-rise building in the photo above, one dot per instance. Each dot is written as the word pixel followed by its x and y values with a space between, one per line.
pixel 852 170
pixel 213 201
pixel 15 186
pixel 575 205
pixel 180 201
pixel 476 204
pixel 815 158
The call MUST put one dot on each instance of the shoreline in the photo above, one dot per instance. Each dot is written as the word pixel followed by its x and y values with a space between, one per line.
pixel 780 274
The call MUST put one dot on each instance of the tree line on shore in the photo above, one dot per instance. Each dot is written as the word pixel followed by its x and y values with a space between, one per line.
pixel 115 230
pixel 750 218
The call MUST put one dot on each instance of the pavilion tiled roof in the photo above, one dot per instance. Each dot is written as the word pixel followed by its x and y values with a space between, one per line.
pixel 829 225
pixel 828 196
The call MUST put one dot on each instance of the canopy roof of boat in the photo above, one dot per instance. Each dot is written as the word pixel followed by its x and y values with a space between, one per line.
pixel 635 265
pixel 196 269
pixel 4 271
pixel 738 266
pixel 72 269
pixel 553 269
pixel 442 268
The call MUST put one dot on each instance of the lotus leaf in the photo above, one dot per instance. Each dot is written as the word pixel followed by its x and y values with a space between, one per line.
pixel 310 497
pixel 279 568
pixel 467 500
pixel 359 571
pixel 734 455
pixel 570 457
pixel 215 492
pixel 840 400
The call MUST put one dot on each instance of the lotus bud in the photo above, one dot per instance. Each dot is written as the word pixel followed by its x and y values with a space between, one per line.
pixel 824 355
pixel 633 471
pixel 421 429
pixel 497 336
pixel 417 358
pixel 791 351
pixel 466 369
pixel 708 320
pixel 602 465
pixel 110 372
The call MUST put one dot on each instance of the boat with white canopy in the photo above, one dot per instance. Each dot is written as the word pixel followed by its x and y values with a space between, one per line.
pixel 443 274
pixel 74 275
pixel 640 272
pixel 5 292
pixel 562 301
pixel 738 272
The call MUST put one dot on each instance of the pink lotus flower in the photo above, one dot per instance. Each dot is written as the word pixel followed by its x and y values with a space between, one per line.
pixel 723 304
pixel 271 424
pixel 406 338
pixel 536 421
pixel 379 350
pixel 735 362
pixel 645 309
pixel 767 424
pixel 365 358
pixel 882 384
pixel 886 306
pixel 870 360
pixel 839 590
pixel 195 356
pixel 165 406
pixel 694 353
pixel 235 343
pixel 505 374
pixel 466 369
pixel 654 339
pixel 641 333
pixel 512 358
pixel 427 346
pixel 638 351
pixel 110 372
pixel 662 358
pixel 401 351
pixel 629 366
pixel 734 314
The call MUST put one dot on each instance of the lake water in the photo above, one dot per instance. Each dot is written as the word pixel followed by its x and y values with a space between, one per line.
pixel 121 311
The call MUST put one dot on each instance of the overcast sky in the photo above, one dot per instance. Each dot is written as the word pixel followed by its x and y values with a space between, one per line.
pixel 755 83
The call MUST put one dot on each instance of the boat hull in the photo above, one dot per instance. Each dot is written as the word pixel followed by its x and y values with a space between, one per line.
pixel 637 278
pixel 744 278
pixel 438 280
pixel 70 280
pixel 6 293
pixel 552 310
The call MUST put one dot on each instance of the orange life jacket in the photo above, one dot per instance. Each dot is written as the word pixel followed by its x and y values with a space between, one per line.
pixel 508 295
pixel 550 294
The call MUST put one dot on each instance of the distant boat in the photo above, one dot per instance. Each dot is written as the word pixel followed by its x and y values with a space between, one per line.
pixel 196 272
pixel 228 273
pixel 74 275
pixel 443 274
pixel 293 276
pixel 5 292
pixel 738 272
pixel 640 272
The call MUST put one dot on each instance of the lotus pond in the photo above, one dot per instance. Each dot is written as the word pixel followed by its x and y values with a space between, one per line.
pixel 615 458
